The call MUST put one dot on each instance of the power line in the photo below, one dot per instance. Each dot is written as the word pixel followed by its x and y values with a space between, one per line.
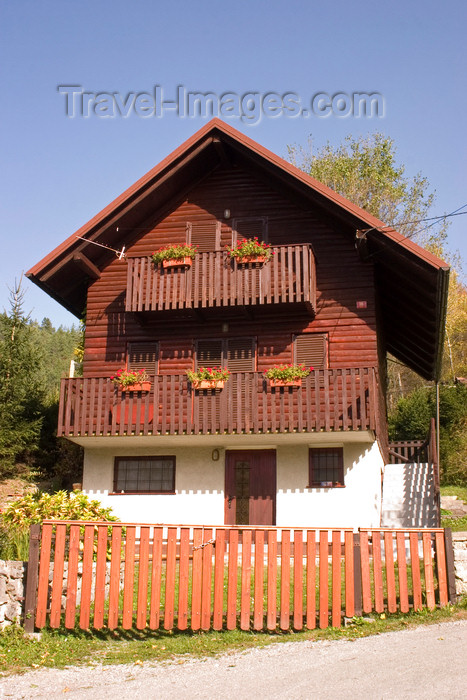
pixel 456 212
pixel 382 229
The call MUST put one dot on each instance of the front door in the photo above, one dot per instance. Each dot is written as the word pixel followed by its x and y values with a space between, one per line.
pixel 250 487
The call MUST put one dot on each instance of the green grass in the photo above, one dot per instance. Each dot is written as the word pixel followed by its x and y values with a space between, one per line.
pixel 459 491
pixel 14 545
pixel 456 524
pixel 59 648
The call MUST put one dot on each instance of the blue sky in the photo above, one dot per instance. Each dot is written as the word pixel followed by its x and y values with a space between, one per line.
pixel 57 172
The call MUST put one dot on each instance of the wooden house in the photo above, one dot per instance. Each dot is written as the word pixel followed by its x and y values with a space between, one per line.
pixel 340 291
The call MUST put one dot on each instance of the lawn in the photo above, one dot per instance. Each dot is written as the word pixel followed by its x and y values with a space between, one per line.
pixel 59 648
pixel 447 520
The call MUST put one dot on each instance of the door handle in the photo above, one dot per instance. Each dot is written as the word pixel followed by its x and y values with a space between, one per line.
pixel 230 501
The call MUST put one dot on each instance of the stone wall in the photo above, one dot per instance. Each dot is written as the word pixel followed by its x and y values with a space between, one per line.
pixel 459 543
pixel 13 588
pixel 12 582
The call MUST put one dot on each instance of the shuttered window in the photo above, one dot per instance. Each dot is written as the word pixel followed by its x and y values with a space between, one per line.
pixel 250 227
pixel 310 349
pixel 143 356
pixel 205 235
pixel 209 353
pixel 241 354
pixel 237 354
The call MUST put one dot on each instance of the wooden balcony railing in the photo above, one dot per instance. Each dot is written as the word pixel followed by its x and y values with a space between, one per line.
pixel 214 279
pixel 330 400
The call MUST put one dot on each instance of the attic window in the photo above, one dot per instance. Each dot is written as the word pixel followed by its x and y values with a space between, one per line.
pixel 250 227
pixel 205 235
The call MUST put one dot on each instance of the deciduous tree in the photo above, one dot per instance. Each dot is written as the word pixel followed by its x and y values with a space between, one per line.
pixel 365 171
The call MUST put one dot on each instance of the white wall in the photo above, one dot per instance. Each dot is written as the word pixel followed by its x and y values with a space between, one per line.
pixel 358 504
pixel 199 486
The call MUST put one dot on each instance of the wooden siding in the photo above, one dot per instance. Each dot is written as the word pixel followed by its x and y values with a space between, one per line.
pixel 215 280
pixel 342 279
pixel 332 400
pixel 219 170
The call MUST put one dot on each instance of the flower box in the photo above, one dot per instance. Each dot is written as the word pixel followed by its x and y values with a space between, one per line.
pixel 285 382
pixel 250 250
pixel 178 262
pixel 208 383
pixel 142 386
pixel 245 259
pixel 287 374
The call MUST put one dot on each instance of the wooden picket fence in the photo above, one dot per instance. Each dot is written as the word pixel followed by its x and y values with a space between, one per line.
pixel 96 575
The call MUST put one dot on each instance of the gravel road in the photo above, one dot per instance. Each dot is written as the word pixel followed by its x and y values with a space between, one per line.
pixel 423 662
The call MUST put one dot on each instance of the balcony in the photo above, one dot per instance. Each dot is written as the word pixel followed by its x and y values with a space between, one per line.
pixel 328 400
pixel 216 280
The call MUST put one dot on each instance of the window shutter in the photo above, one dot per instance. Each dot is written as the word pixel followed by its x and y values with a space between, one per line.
pixel 311 350
pixel 143 356
pixel 238 354
pixel 209 353
pixel 241 354
pixel 205 235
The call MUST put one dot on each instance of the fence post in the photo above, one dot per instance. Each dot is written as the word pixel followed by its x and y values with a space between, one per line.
pixel 32 577
pixel 357 575
pixel 451 574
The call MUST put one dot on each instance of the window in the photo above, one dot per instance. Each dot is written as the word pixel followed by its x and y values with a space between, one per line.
pixel 144 475
pixel 326 467
pixel 310 349
pixel 250 227
pixel 237 354
pixel 205 235
pixel 143 356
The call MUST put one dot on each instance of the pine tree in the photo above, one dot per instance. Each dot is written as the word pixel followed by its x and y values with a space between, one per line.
pixel 21 392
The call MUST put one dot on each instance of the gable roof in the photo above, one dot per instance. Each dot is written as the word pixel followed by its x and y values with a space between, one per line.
pixel 412 283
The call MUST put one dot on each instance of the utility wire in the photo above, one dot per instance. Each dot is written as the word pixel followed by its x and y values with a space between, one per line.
pixel 456 212
pixel 434 219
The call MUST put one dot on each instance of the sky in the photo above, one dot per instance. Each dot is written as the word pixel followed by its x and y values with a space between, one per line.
pixel 66 157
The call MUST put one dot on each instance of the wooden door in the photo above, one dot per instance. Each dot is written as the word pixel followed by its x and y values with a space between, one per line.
pixel 250 487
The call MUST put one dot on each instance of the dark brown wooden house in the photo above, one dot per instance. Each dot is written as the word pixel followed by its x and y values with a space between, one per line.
pixel 340 291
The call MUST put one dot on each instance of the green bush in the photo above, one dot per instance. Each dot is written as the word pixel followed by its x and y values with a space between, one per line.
pixel 20 514
pixel 411 421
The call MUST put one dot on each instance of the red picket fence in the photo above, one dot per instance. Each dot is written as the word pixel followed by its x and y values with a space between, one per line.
pixel 117 574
